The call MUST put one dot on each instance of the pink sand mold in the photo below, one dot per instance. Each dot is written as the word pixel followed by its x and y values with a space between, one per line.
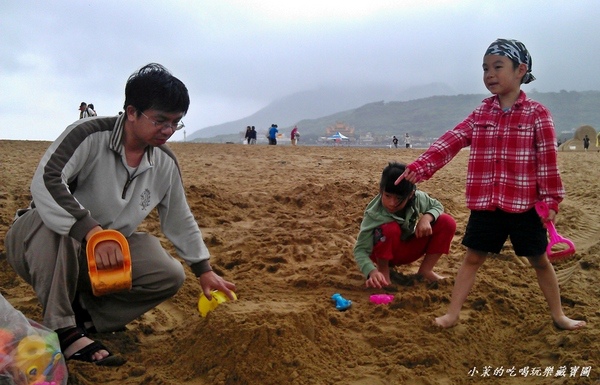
pixel 555 238
pixel 381 299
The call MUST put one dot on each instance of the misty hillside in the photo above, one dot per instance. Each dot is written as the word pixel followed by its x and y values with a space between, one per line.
pixel 432 116
pixel 317 103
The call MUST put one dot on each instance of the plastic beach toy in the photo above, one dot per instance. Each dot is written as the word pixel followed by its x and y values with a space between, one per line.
pixel 555 238
pixel 205 306
pixel 107 281
pixel 32 356
pixel 381 299
pixel 341 303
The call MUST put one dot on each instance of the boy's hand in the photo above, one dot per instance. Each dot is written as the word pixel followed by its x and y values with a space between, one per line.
pixel 377 280
pixel 410 176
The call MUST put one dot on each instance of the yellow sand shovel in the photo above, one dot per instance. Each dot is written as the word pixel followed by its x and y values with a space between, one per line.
pixel 218 297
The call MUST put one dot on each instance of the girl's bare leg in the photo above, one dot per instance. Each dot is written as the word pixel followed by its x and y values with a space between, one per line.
pixel 549 284
pixel 465 278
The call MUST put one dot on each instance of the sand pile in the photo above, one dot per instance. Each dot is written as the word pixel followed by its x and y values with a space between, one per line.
pixel 281 222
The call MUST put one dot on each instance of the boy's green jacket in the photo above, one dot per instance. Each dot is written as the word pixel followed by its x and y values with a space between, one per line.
pixel 376 215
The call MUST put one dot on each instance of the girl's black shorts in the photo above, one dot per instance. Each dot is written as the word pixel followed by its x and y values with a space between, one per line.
pixel 487 231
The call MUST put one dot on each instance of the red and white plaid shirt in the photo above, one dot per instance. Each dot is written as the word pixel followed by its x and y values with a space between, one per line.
pixel 513 159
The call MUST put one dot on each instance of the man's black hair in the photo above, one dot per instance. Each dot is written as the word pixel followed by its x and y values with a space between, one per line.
pixel 154 87
pixel 389 175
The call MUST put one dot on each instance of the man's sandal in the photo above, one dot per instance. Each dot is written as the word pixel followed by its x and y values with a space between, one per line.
pixel 69 336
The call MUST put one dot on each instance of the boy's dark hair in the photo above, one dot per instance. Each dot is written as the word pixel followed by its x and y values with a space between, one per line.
pixel 153 87
pixel 389 175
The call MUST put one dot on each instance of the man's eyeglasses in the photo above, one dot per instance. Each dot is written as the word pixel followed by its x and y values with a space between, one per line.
pixel 163 125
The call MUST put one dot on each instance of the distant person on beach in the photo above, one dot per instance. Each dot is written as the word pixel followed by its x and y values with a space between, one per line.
pixel 84 111
pixel 247 135
pixel 273 134
pixel 401 225
pixel 91 110
pixel 512 165
pixel 110 173
pixel 252 136
pixel 586 143
pixel 407 140
pixel 294 136
pixel 395 141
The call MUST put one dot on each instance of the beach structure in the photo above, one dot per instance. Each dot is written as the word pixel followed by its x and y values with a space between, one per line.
pixel 576 143
pixel 338 137
pixel 340 127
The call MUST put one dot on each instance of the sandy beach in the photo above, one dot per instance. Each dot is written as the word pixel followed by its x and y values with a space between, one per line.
pixel 281 223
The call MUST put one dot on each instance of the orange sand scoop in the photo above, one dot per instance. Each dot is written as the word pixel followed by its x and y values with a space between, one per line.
pixel 218 297
pixel 109 280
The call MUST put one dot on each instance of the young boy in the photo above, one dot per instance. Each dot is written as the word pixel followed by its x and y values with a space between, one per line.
pixel 512 165
pixel 400 225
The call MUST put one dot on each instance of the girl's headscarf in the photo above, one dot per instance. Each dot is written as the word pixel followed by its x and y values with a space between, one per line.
pixel 514 50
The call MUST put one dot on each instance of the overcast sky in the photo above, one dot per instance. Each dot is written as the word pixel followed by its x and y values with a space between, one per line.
pixel 237 56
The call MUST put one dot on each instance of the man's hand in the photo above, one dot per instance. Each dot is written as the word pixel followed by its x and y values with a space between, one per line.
pixel 211 281
pixel 108 255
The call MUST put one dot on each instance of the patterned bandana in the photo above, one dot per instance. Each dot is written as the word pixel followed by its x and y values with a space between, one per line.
pixel 514 50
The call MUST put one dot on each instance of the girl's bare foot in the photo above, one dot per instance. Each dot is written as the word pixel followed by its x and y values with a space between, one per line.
pixel 446 321
pixel 566 323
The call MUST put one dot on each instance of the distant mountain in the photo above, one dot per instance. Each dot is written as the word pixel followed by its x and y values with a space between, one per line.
pixel 429 117
pixel 316 103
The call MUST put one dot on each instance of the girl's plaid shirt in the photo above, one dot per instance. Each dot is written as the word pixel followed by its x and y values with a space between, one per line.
pixel 513 158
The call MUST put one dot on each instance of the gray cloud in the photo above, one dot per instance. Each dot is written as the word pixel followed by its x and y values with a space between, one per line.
pixel 236 57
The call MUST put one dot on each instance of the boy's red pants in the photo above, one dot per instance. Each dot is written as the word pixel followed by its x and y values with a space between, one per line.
pixel 389 246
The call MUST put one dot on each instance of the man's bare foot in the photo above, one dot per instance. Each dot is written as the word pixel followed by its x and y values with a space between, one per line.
pixel 565 323
pixel 430 276
pixel 446 321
